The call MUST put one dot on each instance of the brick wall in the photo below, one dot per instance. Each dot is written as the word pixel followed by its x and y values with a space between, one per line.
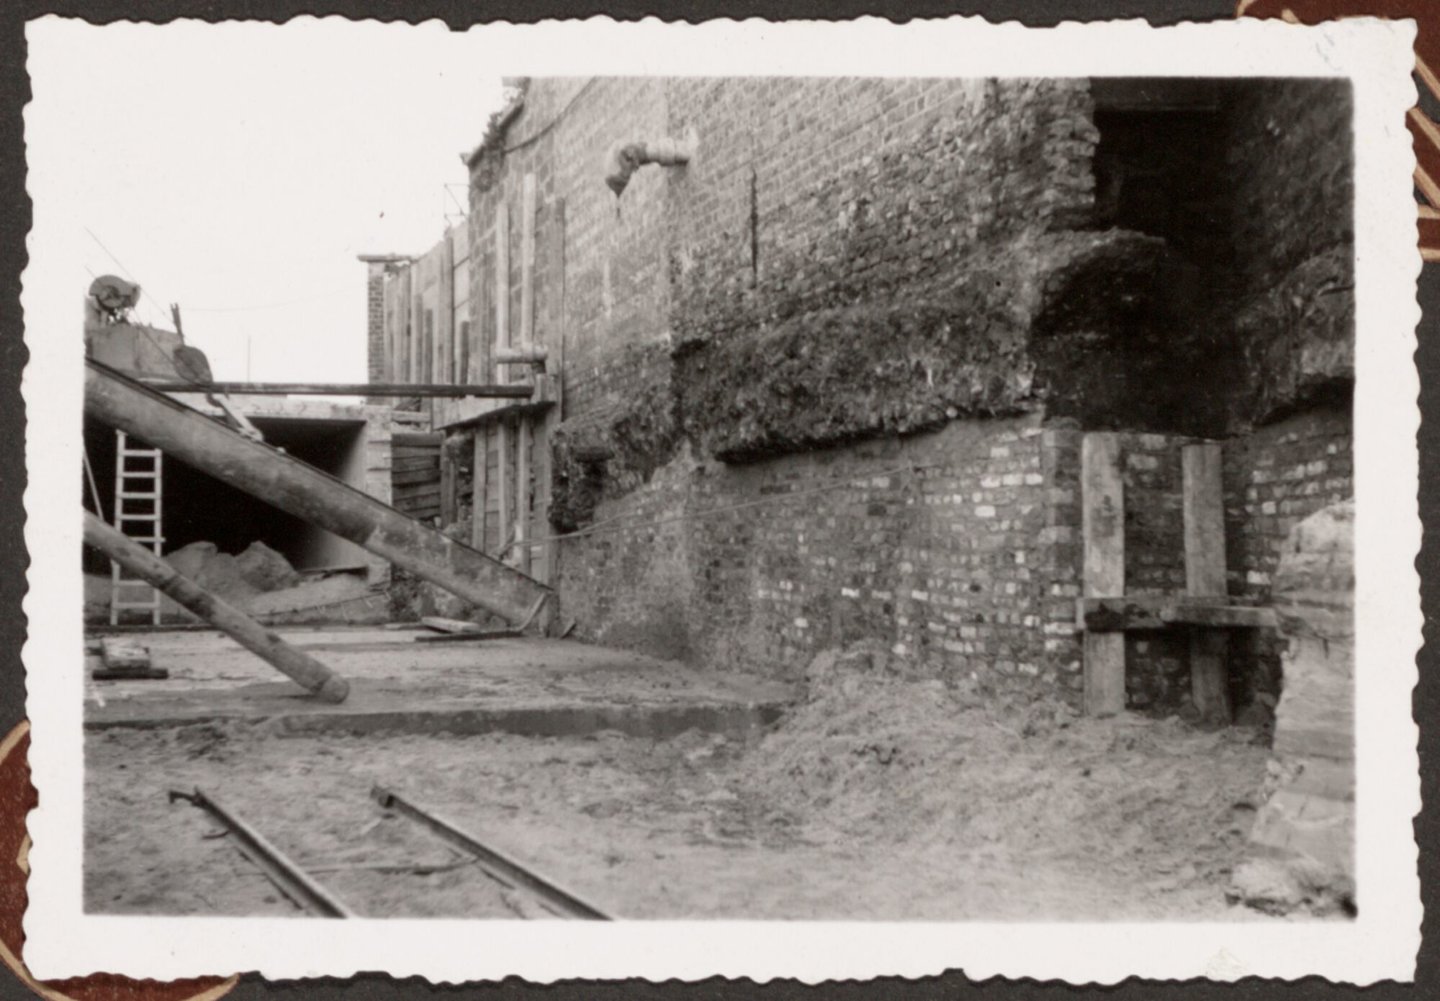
pixel 953 547
pixel 750 513
pixel 1292 224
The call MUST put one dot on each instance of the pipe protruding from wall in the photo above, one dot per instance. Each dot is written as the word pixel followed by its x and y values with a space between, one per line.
pixel 623 159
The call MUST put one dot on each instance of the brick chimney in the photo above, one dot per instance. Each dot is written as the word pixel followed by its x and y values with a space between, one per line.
pixel 377 267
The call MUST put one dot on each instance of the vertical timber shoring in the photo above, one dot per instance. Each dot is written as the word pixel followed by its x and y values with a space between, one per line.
pixel 1204 509
pixel 502 340
pixel 1103 528
pixel 481 484
pixel 445 314
pixel 406 371
pixel 524 494
pixel 417 324
pixel 554 337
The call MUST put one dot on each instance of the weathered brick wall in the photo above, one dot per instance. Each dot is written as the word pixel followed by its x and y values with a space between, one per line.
pixel 1274 478
pixel 1290 160
pixel 713 313
pixel 952 547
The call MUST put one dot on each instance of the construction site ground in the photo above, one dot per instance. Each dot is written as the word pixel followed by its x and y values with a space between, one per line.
pixel 652 790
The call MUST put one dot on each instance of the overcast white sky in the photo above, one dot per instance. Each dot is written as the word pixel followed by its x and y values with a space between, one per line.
pixel 238 170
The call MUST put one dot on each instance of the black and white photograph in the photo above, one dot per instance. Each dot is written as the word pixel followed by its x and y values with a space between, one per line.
pixel 911 499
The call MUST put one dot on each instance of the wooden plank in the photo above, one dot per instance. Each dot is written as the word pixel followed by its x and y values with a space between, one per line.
pixel 502 278
pixel 1147 612
pixel 412 477
pixel 445 370
pixel 554 337
pixel 449 484
pixel 402 327
pixel 484 634
pixel 1103 531
pixel 481 480
pixel 1204 509
pixel 504 521
pixel 444 625
pixel 527 261
pixel 419 357
pixel 524 495
pixel 431 439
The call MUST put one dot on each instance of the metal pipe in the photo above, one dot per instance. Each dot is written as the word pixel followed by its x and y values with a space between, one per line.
pixel 421 389
pixel 288 877
pixel 304 669
pixel 503 868
pixel 304 491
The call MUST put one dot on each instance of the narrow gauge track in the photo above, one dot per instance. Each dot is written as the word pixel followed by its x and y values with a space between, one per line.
pixel 307 892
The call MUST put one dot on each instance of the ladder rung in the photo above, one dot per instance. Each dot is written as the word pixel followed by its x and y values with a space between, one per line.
pixel 134 604
pixel 137 517
pixel 144 453
pixel 134 495
pixel 138 474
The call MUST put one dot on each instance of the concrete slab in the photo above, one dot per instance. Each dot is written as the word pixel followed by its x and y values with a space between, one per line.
pixel 533 687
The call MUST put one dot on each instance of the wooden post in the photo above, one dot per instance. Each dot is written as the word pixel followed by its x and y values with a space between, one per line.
pixel 1103 528
pixel 445 315
pixel 296 664
pixel 481 481
pixel 527 261
pixel 502 279
pixel 502 477
pixel 553 338
pixel 1204 505
pixel 403 317
pixel 523 493
pixel 450 479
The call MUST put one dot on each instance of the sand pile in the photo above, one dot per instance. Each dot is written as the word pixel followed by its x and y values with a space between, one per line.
pixel 877 753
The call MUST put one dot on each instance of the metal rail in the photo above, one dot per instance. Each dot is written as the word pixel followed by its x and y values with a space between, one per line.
pixel 284 873
pixel 506 870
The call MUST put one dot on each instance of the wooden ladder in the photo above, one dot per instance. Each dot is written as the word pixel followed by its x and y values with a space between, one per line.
pixel 138 473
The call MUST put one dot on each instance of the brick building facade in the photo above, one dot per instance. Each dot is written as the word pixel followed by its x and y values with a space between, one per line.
pixel 827 380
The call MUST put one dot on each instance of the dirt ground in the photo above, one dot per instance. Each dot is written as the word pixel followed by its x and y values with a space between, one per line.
pixel 878 797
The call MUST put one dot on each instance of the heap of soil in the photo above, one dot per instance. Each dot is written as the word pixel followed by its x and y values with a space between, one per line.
pixel 876 754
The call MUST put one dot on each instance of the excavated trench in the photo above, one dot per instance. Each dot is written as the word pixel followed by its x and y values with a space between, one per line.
pixel 875 796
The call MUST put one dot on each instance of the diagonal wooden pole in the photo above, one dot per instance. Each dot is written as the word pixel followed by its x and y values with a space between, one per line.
pixel 308 672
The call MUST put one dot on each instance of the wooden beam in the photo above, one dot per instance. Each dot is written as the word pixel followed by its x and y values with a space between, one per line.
pixel 505 391
pixel 296 664
pixel 1204 509
pixel 445 316
pixel 1103 530
pixel 444 625
pixel 480 480
pixel 503 484
pixel 523 492
pixel 450 480
pixel 554 336
pixel 502 278
pixel 1143 612
pixel 527 261
pixel 418 353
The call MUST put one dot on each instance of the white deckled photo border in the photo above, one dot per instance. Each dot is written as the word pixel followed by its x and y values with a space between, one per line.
pixel 1380 943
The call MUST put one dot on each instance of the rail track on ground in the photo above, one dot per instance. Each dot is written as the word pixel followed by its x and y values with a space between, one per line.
pixel 303 889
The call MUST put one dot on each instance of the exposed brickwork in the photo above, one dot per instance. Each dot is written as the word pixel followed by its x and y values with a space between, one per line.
pixel 1275 478
pixel 950 546
pixel 724 310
